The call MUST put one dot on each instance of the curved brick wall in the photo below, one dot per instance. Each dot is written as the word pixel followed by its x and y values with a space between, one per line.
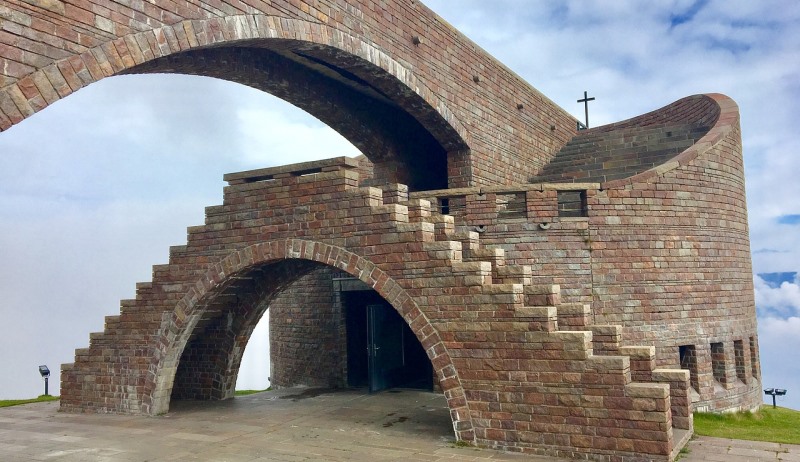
pixel 624 149
pixel 675 268
pixel 663 253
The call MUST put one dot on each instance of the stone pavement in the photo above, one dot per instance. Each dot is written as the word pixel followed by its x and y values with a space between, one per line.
pixel 291 425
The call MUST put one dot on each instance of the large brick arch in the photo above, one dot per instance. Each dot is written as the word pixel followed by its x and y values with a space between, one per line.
pixel 373 100
pixel 180 325
pixel 492 127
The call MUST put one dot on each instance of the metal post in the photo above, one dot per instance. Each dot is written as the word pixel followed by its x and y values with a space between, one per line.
pixel 773 401
pixel 46 391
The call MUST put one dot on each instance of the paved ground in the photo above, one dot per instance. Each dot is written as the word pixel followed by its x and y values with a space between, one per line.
pixel 287 425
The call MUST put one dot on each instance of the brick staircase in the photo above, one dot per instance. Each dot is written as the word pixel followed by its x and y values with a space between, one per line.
pixel 511 355
pixel 540 308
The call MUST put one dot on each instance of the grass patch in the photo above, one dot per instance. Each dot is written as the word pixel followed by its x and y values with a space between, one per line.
pixel 462 444
pixel 250 392
pixel 779 425
pixel 17 402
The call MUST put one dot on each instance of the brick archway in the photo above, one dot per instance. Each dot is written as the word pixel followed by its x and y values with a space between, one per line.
pixel 180 325
pixel 375 101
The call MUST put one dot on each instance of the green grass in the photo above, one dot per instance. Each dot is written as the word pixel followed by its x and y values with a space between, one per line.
pixel 250 392
pixel 779 425
pixel 16 402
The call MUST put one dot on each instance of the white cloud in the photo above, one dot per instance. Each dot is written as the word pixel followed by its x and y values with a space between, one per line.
pixel 783 301
pixel 270 138
pixel 779 342
pixel 254 371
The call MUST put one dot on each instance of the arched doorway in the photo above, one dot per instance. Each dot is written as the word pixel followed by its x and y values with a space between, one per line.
pixel 204 339
pixel 329 329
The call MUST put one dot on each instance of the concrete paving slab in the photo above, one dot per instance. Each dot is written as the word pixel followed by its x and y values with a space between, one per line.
pixel 293 425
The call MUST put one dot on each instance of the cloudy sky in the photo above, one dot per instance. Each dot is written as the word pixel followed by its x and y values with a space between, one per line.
pixel 95 188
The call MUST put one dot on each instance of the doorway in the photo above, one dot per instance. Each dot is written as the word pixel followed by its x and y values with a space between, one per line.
pixel 382 351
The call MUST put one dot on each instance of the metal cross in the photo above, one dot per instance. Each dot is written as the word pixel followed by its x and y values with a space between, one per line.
pixel 585 102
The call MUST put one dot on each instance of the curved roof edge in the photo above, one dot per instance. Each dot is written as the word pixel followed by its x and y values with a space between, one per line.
pixel 727 118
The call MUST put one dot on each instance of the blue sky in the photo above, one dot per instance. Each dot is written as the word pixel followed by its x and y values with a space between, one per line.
pixel 95 188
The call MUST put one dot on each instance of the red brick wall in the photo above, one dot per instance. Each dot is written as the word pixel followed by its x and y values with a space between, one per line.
pixel 307 342
pixel 665 254
pixel 510 377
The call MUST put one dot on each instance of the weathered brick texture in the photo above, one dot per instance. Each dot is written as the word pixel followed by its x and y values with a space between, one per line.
pixel 663 253
pixel 494 344
pixel 577 294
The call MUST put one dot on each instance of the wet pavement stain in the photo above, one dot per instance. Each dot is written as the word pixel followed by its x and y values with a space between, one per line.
pixel 400 419
pixel 310 393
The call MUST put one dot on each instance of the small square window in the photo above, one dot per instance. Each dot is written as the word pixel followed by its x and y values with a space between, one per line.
pixel 572 204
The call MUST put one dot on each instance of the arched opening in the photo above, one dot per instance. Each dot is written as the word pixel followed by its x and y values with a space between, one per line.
pixel 405 138
pixel 204 341
pixel 115 173
pixel 329 330
pixel 332 330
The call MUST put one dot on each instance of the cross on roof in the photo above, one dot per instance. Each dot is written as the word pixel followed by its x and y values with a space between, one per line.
pixel 585 102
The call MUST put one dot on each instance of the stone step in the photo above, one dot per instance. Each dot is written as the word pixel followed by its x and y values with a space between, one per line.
pixel 680 400
pixel 444 250
pixel 503 297
pixel 143 288
pixel 415 231
pixel 606 338
pixel 573 316
pixel 477 273
pixel 542 295
pixel 419 210
pixel 470 240
pixel 444 226
pixel 394 193
pixel 496 256
pixel 642 361
pixel 129 306
pixel 389 213
pixel 539 318
pixel 514 274
pixel 112 322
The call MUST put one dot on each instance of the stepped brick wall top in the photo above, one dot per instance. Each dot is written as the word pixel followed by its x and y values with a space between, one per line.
pixel 623 149
pixel 503 348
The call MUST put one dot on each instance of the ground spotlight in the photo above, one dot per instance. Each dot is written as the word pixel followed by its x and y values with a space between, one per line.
pixel 774 392
pixel 45 372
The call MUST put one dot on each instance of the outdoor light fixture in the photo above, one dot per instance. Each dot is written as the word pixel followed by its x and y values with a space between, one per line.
pixel 774 392
pixel 45 372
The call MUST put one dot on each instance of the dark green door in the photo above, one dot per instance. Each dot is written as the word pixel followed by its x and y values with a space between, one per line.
pixel 385 347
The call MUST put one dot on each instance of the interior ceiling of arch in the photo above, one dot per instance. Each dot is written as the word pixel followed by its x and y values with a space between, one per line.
pixel 378 114
pixel 253 288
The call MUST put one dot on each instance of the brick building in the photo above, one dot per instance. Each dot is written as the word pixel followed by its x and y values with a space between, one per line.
pixel 571 292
